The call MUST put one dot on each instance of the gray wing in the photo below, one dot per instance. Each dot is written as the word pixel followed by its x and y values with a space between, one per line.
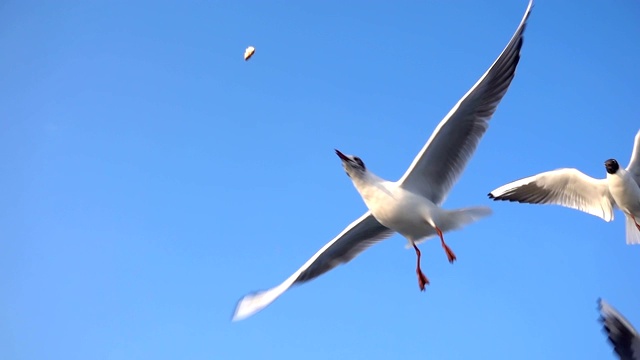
pixel 566 187
pixel 634 163
pixel 621 334
pixel 445 155
pixel 353 240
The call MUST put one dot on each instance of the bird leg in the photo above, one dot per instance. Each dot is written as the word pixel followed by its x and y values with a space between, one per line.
pixel 635 221
pixel 422 279
pixel 450 255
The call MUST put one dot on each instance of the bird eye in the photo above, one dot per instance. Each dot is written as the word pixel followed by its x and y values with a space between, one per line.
pixel 358 161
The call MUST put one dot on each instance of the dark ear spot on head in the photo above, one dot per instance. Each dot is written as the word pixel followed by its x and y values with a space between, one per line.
pixel 359 162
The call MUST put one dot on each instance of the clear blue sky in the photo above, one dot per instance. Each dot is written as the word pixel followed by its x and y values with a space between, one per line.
pixel 151 177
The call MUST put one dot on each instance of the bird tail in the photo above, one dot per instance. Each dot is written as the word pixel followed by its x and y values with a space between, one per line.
pixel 456 219
pixel 633 233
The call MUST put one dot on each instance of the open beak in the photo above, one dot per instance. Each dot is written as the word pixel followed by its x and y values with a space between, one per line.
pixel 342 156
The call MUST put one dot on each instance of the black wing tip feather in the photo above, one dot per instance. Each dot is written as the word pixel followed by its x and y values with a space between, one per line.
pixel 520 41
pixel 504 197
pixel 618 332
pixel 503 71
pixel 527 193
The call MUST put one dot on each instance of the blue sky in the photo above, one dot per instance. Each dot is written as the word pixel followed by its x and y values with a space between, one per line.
pixel 151 177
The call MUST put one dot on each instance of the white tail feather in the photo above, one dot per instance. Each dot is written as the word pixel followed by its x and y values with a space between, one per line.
pixel 633 233
pixel 457 219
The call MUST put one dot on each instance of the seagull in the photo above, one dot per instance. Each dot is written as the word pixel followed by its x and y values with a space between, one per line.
pixel 623 337
pixel 411 205
pixel 573 189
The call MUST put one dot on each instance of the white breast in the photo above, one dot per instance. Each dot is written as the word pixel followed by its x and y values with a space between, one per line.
pixel 400 210
pixel 625 191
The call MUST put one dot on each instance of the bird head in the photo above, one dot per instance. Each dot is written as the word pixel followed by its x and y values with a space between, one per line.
pixel 353 165
pixel 612 166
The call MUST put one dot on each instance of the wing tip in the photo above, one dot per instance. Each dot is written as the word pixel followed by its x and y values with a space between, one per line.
pixel 496 195
pixel 609 313
pixel 250 304
pixel 240 313
pixel 601 305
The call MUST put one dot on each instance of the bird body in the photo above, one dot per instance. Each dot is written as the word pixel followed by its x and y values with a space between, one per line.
pixel 394 207
pixel 407 213
pixel 625 192
pixel 411 214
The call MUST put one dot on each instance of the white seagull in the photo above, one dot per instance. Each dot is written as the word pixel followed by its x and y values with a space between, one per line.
pixel 411 205
pixel 621 334
pixel 573 189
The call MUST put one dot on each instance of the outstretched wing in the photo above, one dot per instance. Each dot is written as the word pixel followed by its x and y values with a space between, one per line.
pixel 634 163
pixel 621 334
pixel 566 187
pixel 353 240
pixel 445 155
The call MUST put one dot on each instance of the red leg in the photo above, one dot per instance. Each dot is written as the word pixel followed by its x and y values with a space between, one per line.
pixel 450 255
pixel 635 221
pixel 422 279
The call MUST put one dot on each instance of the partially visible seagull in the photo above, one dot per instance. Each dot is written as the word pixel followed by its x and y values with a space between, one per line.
pixel 573 189
pixel 623 337
pixel 411 205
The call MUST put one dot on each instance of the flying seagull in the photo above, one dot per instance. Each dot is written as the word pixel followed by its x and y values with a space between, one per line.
pixel 411 205
pixel 623 337
pixel 573 189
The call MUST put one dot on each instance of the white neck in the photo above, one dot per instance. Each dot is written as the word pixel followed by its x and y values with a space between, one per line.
pixel 370 186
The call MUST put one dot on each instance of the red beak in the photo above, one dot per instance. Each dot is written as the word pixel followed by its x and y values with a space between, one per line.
pixel 342 156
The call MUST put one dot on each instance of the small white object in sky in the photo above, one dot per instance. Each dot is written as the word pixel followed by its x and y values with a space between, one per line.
pixel 248 53
pixel 573 189
pixel 411 205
